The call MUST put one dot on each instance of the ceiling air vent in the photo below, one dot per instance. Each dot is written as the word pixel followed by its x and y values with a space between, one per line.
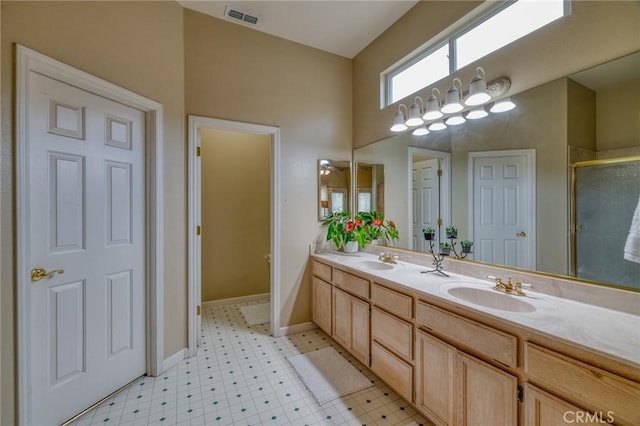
pixel 240 16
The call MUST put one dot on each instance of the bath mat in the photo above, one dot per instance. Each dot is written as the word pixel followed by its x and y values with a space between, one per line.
pixel 327 374
pixel 256 314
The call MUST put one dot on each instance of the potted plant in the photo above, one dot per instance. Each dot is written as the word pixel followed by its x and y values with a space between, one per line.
pixel 466 246
pixel 445 248
pixel 452 232
pixel 377 227
pixel 346 233
pixel 429 233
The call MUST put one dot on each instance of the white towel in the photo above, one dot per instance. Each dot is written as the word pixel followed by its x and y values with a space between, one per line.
pixel 632 247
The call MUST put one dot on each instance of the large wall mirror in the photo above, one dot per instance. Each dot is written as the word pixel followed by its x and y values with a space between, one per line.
pixel 531 151
pixel 334 183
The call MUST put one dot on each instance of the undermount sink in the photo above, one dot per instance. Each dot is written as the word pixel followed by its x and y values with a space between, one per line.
pixel 491 299
pixel 373 264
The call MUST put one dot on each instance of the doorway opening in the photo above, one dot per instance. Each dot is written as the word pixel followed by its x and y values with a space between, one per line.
pixel 233 219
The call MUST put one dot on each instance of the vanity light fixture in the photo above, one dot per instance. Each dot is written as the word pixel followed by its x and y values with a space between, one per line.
pixel 398 120
pixel 452 98
pixel 415 113
pixel 455 120
pixel 433 106
pixel 478 90
pixel 453 111
pixel 477 113
pixel 421 131
pixel 502 105
pixel 437 125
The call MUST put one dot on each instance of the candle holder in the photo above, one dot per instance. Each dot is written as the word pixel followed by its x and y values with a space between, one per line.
pixel 446 248
pixel 437 260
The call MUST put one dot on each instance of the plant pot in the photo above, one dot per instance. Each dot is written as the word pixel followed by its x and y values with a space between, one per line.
pixel 429 236
pixel 351 247
pixel 466 249
pixel 445 251
pixel 452 234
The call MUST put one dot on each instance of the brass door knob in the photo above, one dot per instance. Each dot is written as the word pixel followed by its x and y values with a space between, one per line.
pixel 38 273
pixel 521 234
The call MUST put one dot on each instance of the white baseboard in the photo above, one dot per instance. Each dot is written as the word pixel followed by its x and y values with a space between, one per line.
pixel 297 328
pixel 174 359
pixel 233 300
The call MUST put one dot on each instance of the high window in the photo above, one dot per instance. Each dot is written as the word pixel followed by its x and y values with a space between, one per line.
pixel 501 25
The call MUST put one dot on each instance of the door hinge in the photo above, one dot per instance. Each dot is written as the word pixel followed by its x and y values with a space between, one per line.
pixel 198 230
pixel 198 151
pixel 439 172
pixel 198 310
pixel 520 394
pixel 439 222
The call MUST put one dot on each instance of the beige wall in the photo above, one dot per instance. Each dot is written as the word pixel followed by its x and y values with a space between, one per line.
pixel 235 213
pixel 239 74
pixel 139 46
pixel 595 32
pixel 581 116
pixel 618 121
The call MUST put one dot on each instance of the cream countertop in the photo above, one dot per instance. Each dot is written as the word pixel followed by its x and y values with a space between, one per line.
pixel 611 333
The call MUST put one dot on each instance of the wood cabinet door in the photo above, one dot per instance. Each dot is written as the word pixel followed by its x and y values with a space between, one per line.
pixel 485 395
pixel 322 304
pixel 543 409
pixel 341 318
pixel 435 367
pixel 360 330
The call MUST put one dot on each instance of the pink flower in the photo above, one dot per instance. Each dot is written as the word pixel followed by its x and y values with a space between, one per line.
pixel 349 226
pixel 359 222
pixel 377 222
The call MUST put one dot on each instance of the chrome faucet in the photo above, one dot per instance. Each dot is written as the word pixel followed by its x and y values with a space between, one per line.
pixel 388 258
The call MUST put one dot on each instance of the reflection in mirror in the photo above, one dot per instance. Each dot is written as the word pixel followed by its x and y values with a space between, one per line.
pixel 597 233
pixel 370 187
pixel 334 181
pixel 592 115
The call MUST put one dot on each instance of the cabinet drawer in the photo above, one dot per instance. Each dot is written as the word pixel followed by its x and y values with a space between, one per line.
pixel 351 283
pixel 321 270
pixel 586 385
pixel 393 301
pixel 395 372
pixel 499 346
pixel 392 332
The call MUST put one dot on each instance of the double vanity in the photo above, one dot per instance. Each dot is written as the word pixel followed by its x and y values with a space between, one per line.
pixel 464 353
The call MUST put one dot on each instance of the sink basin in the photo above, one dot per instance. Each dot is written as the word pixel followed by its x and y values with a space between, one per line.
pixel 373 264
pixel 491 299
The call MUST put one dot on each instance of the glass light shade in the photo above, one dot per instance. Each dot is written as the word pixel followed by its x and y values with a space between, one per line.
pixel 420 131
pixel 398 122
pixel 452 99
pixel 503 105
pixel 455 120
pixel 415 118
pixel 477 113
pixel 437 125
pixel 433 108
pixel 477 90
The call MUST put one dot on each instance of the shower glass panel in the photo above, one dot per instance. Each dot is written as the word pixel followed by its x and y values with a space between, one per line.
pixel 605 198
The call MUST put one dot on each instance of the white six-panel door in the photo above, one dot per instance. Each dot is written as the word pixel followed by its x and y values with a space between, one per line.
pixel 86 207
pixel 426 200
pixel 503 212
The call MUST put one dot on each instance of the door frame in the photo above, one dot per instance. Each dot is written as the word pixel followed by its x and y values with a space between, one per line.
pixel 28 60
pixel 530 155
pixel 444 159
pixel 194 246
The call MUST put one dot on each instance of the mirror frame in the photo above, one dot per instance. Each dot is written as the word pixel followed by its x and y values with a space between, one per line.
pixel 348 165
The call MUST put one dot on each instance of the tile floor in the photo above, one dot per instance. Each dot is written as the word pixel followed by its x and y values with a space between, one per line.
pixel 241 377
